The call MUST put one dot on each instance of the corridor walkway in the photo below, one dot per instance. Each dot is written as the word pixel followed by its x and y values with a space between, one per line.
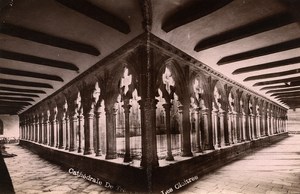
pixel 275 169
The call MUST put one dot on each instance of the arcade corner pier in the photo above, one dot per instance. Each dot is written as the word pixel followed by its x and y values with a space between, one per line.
pixel 148 115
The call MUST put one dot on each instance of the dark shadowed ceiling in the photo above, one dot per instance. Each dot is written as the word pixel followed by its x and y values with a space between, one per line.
pixel 46 44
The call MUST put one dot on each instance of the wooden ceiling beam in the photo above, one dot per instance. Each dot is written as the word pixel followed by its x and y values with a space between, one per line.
pixel 280 47
pixel 272 75
pixel 286 93
pixel 22 90
pixel 96 13
pixel 9 111
pixel 25 83
pixel 192 12
pixel 37 60
pixel 286 80
pixel 256 27
pixel 7 102
pixel 8 71
pixel 43 38
pixel 18 94
pixel 283 90
pixel 16 99
pixel 290 94
pixel 279 86
pixel 273 64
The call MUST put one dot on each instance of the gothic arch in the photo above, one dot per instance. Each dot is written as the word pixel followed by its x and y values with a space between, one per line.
pixel 219 96
pixel 177 75
pixel 202 81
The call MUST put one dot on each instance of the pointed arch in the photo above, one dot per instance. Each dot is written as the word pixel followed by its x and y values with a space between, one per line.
pixel 220 96
pixel 177 74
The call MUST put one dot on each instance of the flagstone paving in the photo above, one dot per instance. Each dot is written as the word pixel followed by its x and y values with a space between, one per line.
pixel 32 174
pixel 274 169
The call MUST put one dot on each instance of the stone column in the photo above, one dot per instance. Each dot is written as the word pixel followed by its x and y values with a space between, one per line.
pixel 208 137
pixel 53 126
pixel 263 124
pixel 67 131
pixel 230 131
pixel 127 106
pixel 258 125
pixel 61 128
pixel 73 105
pixel 198 132
pixel 36 128
pixel 80 130
pixel 186 126
pixel 32 128
pixel 180 108
pixel 235 128
pixel 46 128
pixel 41 128
pixel 148 127
pixel 215 127
pixel 57 129
pixel 277 123
pixel 268 124
pixel 251 127
pixel 97 132
pixel 271 123
pixel 167 108
pixel 255 135
pixel 88 113
pixel 25 125
pixel 88 105
pixel 222 116
pixel 244 126
pixel 111 140
pixel 73 131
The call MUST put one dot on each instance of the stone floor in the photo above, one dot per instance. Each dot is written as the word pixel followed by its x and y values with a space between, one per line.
pixel 32 174
pixel 275 169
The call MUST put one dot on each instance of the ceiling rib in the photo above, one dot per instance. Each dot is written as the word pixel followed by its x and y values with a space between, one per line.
pixel 17 94
pixel 192 12
pixel 96 13
pixel 22 90
pixel 35 36
pixel 263 25
pixel 37 60
pixel 267 65
pixel 272 75
pixel 25 83
pixel 30 74
pixel 293 79
pixel 280 47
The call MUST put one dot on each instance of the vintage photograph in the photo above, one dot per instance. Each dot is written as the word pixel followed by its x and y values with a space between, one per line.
pixel 149 96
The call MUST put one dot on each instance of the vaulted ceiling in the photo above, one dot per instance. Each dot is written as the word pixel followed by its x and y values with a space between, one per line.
pixel 46 44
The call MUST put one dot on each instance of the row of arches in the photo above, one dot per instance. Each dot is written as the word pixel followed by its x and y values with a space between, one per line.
pixel 104 114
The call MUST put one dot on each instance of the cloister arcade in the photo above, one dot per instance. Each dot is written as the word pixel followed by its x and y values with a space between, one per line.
pixel 149 112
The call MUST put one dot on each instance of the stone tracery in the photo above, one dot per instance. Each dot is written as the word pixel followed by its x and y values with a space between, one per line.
pixel 114 113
